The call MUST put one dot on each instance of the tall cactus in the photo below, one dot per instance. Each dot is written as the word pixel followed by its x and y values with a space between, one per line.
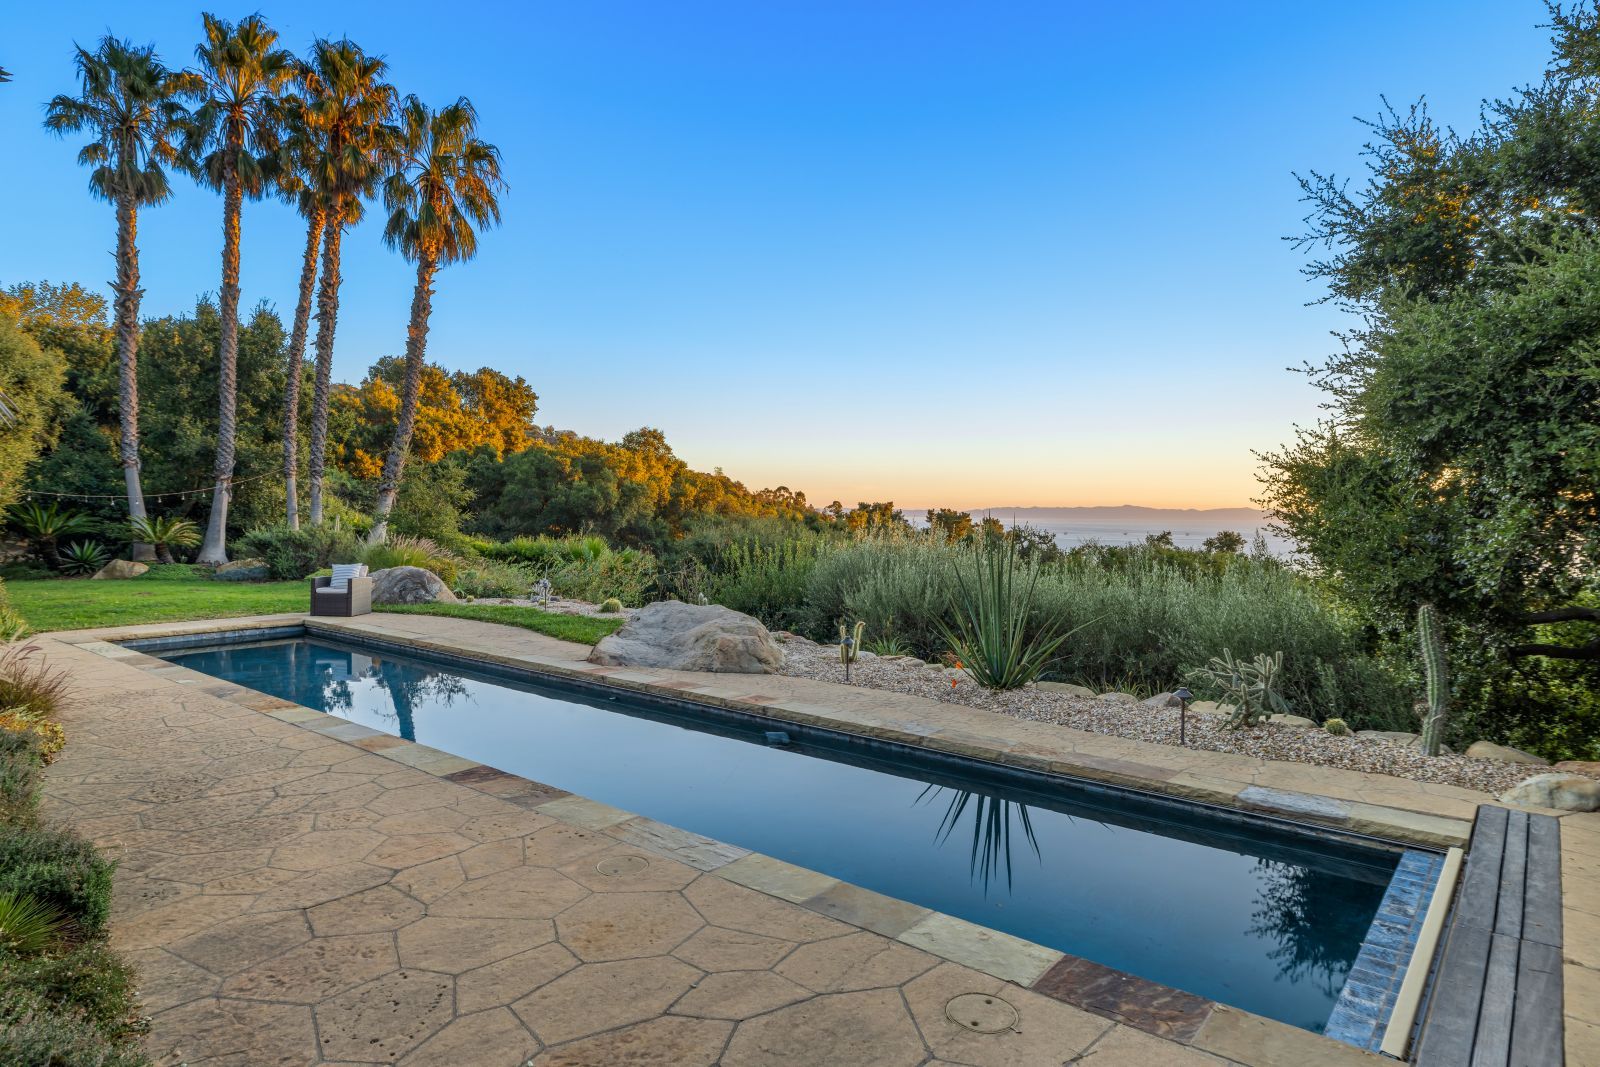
pixel 1431 638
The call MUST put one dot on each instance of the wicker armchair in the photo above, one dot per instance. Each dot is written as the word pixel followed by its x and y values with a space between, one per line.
pixel 354 599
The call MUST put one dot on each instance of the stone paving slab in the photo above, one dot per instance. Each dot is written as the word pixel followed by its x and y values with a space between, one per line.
pixel 484 879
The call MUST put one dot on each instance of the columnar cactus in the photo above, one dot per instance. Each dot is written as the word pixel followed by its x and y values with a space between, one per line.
pixel 1430 637
pixel 849 645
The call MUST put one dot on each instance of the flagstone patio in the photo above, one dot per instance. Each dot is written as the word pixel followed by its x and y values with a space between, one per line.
pixel 298 890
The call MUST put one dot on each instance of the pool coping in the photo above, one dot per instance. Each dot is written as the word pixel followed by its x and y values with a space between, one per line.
pixel 1162 1011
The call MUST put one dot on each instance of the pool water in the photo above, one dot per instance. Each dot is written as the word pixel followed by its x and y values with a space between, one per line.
pixel 1250 912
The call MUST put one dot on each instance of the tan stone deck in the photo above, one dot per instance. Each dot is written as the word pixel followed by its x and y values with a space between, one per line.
pixel 301 890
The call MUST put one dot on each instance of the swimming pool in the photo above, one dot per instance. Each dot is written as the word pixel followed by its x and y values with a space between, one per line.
pixel 1257 913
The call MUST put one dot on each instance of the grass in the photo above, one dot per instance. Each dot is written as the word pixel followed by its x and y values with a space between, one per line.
pixel 582 629
pixel 77 604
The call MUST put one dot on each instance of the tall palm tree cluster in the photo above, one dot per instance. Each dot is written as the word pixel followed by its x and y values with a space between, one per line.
pixel 327 133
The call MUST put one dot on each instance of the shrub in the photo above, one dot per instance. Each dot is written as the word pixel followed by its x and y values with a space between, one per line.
pixel 611 606
pixel 86 981
pixel 52 738
pixel 489 578
pixel 411 552
pixel 20 760
pixel 29 687
pixel 767 581
pixel 293 554
pixel 33 1032
pixel 900 585
pixel 58 869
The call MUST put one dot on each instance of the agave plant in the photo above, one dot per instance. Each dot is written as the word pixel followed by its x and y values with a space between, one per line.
pixel 28 926
pixel 84 557
pixel 164 533
pixel 991 636
pixel 43 525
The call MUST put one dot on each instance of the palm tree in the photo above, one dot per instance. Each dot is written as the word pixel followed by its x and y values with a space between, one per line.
pixel 130 105
pixel 443 188
pixel 349 111
pixel 230 144
pixel 296 185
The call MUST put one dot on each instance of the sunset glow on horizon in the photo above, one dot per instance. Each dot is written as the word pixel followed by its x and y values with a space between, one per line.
pixel 956 256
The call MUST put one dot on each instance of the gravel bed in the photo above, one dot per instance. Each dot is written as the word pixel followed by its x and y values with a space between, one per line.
pixel 557 606
pixel 1140 722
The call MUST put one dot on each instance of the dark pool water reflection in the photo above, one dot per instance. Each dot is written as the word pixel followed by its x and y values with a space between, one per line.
pixel 1247 913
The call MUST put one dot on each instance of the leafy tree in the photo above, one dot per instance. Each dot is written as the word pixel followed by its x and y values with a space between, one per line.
pixel 1160 540
pixel 230 144
pixel 950 524
pixel 130 106
pixel 31 397
pixel 868 518
pixel 1224 541
pixel 349 111
pixel 179 367
pixel 443 190
pixel 1458 465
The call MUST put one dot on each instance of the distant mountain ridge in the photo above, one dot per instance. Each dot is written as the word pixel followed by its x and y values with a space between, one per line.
pixel 1122 513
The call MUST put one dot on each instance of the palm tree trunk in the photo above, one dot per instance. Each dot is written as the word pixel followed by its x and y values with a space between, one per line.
pixel 297 355
pixel 127 312
pixel 214 549
pixel 416 348
pixel 327 318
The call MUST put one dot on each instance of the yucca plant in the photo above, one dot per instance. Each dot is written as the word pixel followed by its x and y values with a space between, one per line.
pixel 28 926
pixel 165 533
pixel 84 557
pixel 44 525
pixel 993 608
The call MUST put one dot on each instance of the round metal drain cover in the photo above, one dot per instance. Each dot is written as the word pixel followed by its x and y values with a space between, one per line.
pixel 981 1013
pixel 616 866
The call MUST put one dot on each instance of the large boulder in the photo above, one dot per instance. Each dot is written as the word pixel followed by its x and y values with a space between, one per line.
pixel 121 568
pixel 1564 792
pixel 691 637
pixel 1504 753
pixel 409 585
pixel 243 570
pixel 1578 766
pixel 1300 721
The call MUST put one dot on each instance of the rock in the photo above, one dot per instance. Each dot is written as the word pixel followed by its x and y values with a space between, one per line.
pixel 1292 720
pixel 243 570
pixel 1118 698
pixel 1578 766
pixel 409 585
pixel 1160 700
pixel 691 637
pixel 121 568
pixel 1490 750
pixel 1564 792
pixel 1068 688
pixel 1211 707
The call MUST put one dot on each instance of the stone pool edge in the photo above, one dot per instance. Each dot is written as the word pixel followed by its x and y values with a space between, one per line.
pixel 1170 1014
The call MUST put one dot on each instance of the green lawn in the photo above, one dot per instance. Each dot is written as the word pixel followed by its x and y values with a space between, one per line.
pixel 583 629
pixel 79 603
pixel 167 595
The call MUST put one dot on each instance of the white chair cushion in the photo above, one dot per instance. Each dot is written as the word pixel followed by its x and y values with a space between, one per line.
pixel 343 572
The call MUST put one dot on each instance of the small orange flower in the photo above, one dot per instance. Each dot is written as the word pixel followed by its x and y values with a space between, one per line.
pixel 952 683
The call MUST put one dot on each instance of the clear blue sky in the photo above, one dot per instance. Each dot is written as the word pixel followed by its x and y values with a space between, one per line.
pixel 944 253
